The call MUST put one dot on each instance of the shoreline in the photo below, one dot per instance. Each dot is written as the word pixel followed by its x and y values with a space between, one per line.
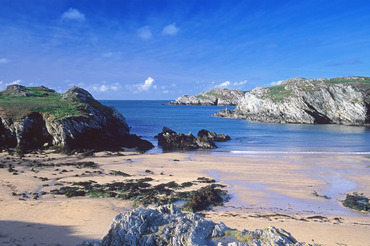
pixel 264 191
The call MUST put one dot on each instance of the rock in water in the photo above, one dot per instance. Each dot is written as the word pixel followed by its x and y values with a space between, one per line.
pixel 343 101
pixel 214 97
pixel 167 225
pixel 34 117
pixel 171 140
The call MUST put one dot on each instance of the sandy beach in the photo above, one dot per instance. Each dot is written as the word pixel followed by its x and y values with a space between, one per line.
pixel 265 190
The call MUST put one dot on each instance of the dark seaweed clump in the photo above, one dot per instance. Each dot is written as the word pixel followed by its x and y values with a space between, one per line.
pixel 142 192
pixel 357 201
pixel 204 198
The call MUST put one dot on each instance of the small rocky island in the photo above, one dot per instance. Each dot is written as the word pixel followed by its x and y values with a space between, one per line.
pixel 38 117
pixel 171 140
pixel 344 101
pixel 214 97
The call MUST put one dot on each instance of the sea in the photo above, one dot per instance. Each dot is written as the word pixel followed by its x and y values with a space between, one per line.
pixel 147 118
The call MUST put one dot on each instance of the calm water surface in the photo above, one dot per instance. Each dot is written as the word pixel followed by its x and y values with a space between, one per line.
pixel 147 119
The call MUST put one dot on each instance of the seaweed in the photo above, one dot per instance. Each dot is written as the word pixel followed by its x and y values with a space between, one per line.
pixel 356 201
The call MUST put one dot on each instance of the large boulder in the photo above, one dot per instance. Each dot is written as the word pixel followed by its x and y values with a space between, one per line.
pixel 73 120
pixel 167 225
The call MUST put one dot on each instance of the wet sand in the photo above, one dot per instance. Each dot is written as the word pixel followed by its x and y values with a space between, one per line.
pixel 264 190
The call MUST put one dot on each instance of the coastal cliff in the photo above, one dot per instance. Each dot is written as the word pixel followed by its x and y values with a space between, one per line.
pixel 214 97
pixel 37 117
pixel 344 101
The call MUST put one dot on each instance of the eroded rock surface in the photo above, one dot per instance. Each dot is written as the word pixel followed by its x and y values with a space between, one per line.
pixel 343 101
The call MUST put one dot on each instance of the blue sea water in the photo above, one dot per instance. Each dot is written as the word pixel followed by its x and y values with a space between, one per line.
pixel 147 119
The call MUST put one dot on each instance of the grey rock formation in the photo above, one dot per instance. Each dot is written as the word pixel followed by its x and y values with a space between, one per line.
pixel 171 140
pixel 214 97
pixel 98 126
pixel 167 225
pixel 308 101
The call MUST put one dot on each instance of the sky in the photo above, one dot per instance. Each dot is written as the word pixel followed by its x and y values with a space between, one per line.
pixel 156 49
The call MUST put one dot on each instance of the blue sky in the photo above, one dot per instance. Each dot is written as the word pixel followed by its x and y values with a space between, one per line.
pixel 163 49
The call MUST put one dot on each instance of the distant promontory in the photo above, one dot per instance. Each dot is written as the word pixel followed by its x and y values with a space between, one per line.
pixel 214 97
pixel 344 101
pixel 38 117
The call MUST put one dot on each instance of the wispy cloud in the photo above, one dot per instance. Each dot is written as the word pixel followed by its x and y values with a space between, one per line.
pixel 4 60
pixel 146 86
pixel 223 85
pixel 104 87
pixel 73 14
pixel 227 84
pixel 170 30
pixel 276 83
pixel 145 33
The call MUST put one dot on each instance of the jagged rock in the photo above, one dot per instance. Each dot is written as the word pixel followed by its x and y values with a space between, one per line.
pixel 94 126
pixel 214 97
pixel 171 140
pixel 308 101
pixel 167 225
pixel 214 136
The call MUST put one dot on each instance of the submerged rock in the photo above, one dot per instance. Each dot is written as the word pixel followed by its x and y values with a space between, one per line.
pixel 171 140
pixel 343 101
pixel 167 225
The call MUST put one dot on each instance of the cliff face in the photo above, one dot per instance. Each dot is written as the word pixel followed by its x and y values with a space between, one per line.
pixel 36 117
pixel 309 101
pixel 214 97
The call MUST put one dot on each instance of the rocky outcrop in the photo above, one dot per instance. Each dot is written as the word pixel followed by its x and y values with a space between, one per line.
pixel 167 225
pixel 214 97
pixel 343 101
pixel 90 125
pixel 171 140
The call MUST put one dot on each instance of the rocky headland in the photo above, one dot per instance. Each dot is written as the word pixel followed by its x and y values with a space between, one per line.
pixel 167 225
pixel 344 101
pixel 38 117
pixel 214 97
pixel 171 140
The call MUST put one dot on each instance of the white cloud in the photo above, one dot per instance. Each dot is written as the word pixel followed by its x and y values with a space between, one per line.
pixel 73 14
pixel 165 91
pixel 15 82
pixel 4 60
pixel 145 33
pixel 240 83
pixel 170 30
pixel 276 83
pixel 106 87
pixel 146 86
pixel 224 84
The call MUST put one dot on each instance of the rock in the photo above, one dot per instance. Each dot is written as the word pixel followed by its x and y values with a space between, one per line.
pixel 214 97
pixel 343 101
pixel 214 136
pixel 167 225
pixel 171 140
pixel 90 125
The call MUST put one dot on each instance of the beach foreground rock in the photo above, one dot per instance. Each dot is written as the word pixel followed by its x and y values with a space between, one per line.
pixel 167 225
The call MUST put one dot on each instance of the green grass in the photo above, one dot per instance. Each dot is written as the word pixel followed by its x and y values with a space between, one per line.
pixel 366 80
pixel 42 101
pixel 239 236
pixel 278 93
